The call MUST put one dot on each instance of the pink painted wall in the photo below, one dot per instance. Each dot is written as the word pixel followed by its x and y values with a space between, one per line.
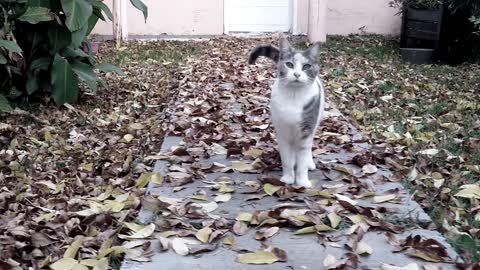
pixel 348 16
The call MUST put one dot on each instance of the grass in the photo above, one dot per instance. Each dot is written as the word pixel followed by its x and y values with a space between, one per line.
pixel 437 105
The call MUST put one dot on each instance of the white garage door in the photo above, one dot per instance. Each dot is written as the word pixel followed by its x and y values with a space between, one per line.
pixel 258 15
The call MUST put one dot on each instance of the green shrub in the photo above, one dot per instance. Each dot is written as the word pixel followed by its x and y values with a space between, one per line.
pixel 44 48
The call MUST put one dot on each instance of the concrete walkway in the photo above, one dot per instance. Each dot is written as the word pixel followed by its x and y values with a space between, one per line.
pixel 362 198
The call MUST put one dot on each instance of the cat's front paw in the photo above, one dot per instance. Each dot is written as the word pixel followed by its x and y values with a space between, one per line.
pixel 287 179
pixel 304 183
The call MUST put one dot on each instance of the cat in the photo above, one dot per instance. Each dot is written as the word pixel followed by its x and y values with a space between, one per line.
pixel 296 106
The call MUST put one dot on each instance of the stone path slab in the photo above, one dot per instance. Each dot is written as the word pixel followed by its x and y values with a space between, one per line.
pixel 229 103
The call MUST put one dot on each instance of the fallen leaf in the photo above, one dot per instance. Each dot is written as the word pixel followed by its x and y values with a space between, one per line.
pixel 270 189
pixel 240 228
pixel 243 216
pixel 384 198
pixel 329 261
pixel 143 233
pixel 469 191
pixel 334 219
pixel 369 169
pixel 265 233
pixel 64 264
pixel 363 249
pixel 229 240
pixel 241 166
pixel 258 257
pixel 223 197
pixel 203 234
pixel 411 266
pixel 179 246
pixel 72 250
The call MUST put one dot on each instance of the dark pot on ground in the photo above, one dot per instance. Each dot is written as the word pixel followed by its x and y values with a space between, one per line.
pixel 417 56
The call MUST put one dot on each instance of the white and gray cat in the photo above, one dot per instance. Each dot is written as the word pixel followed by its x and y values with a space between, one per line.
pixel 296 106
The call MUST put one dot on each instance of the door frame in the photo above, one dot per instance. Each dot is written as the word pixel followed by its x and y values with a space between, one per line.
pixel 293 17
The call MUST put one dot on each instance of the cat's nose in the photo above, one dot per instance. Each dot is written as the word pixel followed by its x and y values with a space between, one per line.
pixel 296 75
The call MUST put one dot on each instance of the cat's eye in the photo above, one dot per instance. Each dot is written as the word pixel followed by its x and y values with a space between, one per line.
pixel 307 66
pixel 289 64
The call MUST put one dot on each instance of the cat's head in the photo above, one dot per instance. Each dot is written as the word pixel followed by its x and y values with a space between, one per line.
pixel 297 68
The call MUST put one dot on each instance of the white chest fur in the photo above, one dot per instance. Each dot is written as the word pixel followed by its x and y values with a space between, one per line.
pixel 287 106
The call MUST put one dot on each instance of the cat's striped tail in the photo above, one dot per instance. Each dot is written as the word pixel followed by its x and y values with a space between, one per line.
pixel 268 51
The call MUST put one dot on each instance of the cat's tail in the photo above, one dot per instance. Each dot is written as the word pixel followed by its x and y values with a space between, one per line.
pixel 268 51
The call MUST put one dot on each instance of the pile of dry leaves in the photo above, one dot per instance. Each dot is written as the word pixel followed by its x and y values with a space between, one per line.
pixel 73 179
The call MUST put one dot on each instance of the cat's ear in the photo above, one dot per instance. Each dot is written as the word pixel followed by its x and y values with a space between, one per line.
pixel 314 50
pixel 284 45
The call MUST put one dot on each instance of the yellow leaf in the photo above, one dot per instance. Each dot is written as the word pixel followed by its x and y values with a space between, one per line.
pixel 72 250
pixel 127 138
pixel 89 262
pixel 133 226
pixel 473 168
pixel 253 153
pixel 469 191
pixel 80 267
pixel 241 166
pixel 258 257
pixel 306 230
pixel 143 233
pixel 384 198
pixel 247 217
pixel 334 219
pixel 200 197
pixel 102 264
pixel 344 169
pixel 48 136
pixel 229 240
pixel 270 189
pixel 203 234
pixel 225 189
pixel 223 197
pixel 156 178
pixel 64 264
pixel 142 181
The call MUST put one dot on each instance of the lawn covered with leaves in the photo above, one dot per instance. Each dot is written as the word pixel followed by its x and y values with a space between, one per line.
pixel 426 118
pixel 68 176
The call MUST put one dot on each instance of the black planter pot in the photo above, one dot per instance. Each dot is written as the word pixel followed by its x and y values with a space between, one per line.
pixel 421 34
pixel 417 56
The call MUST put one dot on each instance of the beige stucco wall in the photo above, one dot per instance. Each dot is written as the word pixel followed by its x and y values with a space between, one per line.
pixel 313 17
pixel 348 16
pixel 178 17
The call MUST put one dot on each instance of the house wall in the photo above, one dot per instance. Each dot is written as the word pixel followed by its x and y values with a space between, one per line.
pixel 179 17
pixel 348 16
pixel 317 18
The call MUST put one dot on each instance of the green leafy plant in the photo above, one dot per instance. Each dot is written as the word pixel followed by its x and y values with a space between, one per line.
pixel 418 4
pixel 44 48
